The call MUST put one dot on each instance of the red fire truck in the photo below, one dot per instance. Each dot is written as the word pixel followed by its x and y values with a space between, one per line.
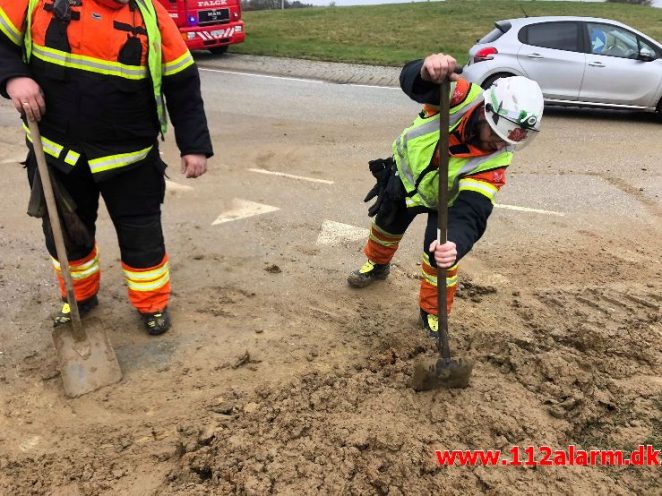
pixel 208 24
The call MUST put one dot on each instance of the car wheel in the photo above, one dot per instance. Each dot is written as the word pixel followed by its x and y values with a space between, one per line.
pixel 488 82
pixel 219 50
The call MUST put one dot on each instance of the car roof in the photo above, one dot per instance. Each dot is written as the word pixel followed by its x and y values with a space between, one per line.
pixel 532 19
pixel 523 21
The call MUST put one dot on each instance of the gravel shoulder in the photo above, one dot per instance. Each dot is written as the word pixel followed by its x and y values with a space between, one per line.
pixel 309 69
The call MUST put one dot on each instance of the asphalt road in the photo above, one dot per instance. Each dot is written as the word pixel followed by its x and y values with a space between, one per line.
pixel 589 168
pixel 597 169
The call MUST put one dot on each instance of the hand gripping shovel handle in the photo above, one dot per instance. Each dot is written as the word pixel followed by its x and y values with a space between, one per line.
pixel 56 228
pixel 442 217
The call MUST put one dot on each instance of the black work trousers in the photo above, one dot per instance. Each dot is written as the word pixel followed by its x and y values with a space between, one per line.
pixel 133 199
pixel 398 217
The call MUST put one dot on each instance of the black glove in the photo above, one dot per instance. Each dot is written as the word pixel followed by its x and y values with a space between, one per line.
pixel 382 170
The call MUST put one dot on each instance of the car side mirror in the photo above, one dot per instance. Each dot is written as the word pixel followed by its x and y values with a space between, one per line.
pixel 646 55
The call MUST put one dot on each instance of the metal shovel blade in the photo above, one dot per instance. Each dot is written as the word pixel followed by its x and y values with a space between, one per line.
pixel 85 365
pixel 436 373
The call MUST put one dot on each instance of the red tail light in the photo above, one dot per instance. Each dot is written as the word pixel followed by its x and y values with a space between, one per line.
pixel 486 53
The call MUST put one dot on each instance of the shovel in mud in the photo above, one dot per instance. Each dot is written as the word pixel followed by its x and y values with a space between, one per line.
pixel 444 371
pixel 86 359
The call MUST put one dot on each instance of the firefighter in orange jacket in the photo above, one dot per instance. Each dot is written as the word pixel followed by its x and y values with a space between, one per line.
pixel 97 75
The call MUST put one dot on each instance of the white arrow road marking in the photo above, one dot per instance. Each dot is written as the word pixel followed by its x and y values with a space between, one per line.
pixel 242 209
pixel 526 209
pixel 13 160
pixel 291 176
pixel 173 186
pixel 334 233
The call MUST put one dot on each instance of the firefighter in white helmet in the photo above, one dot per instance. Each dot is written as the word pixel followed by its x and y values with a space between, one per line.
pixel 486 127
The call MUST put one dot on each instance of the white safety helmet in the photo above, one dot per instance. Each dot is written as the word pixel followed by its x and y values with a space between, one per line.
pixel 513 109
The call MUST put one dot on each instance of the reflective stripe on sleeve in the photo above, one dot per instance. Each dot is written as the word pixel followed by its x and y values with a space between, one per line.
pixel 482 187
pixel 8 28
pixel 178 65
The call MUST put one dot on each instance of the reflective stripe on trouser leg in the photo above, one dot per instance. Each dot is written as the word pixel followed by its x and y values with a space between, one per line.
pixel 428 291
pixel 85 273
pixel 381 245
pixel 149 289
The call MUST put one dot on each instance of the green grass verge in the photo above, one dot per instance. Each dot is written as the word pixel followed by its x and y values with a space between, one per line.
pixel 392 34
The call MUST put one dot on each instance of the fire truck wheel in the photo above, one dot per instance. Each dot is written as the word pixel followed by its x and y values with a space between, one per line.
pixel 219 50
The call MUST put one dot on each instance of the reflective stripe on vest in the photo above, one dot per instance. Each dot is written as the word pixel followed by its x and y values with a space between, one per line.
pixel 414 149
pixel 111 162
pixel 458 168
pixel 154 58
pixel 9 29
pixel 90 64
pixel 155 67
pixel 54 149
pixel 27 36
pixel 422 127
pixel 97 165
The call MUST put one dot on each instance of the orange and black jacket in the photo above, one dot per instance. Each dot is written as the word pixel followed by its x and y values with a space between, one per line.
pixel 467 217
pixel 91 65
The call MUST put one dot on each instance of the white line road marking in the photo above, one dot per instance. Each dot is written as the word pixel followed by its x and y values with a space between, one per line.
pixel 526 209
pixel 334 233
pixel 239 73
pixel 242 209
pixel 371 86
pixel 302 80
pixel 291 176
pixel 175 187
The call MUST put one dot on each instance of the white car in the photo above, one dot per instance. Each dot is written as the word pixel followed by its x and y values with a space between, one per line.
pixel 576 61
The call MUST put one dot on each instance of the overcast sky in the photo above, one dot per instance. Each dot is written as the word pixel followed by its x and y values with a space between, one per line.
pixel 342 3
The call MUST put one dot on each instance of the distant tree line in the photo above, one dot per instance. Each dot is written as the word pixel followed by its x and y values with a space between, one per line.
pixel 646 3
pixel 272 4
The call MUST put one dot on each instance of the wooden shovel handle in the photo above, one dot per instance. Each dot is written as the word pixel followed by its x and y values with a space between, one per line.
pixel 56 228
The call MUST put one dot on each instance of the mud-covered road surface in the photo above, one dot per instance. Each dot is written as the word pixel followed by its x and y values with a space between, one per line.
pixel 277 378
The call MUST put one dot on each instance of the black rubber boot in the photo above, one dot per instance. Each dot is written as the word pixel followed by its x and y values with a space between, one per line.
pixel 84 307
pixel 367 274
pixel 156 323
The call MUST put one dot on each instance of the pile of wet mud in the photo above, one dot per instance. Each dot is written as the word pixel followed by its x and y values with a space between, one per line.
pixel 577 367
pixel 553 368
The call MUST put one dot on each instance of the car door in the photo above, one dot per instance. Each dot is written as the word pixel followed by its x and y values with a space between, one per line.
pixel 552 53
pixel 614 74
